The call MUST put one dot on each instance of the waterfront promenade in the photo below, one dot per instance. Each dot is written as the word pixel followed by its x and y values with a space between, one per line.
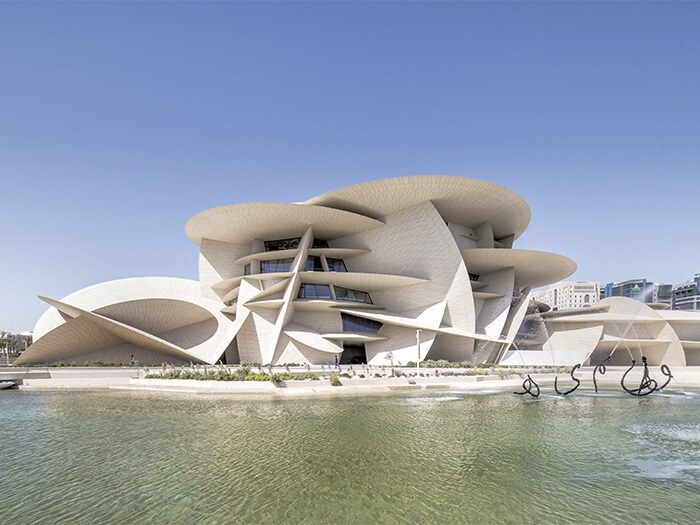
pixel 126 378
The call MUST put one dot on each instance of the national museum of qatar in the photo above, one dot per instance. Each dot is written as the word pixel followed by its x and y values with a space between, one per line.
pixel 391 270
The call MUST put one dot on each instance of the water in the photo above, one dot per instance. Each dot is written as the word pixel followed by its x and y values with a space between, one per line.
pixel 124 457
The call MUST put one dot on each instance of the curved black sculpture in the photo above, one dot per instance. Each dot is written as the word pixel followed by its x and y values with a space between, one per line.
pixel 578 382
pixel 599 368
pixel 528 385
pixel 646 386
pixel 665 370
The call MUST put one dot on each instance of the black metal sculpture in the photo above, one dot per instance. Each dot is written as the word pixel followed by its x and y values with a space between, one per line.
pixel 665 370
pixel 578 382
pixel 646 386
pixel 599 368
pixel 528 385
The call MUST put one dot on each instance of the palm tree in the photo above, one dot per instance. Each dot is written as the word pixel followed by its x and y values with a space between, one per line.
pixel 4 345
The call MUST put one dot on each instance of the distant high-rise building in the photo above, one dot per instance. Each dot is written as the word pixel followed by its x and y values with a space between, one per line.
pixel 663 293
pixel 641 290
pixel 686 296
pixel 569 294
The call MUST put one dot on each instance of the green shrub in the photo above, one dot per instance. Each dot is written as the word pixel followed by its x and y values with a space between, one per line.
pixel 257 376
pixel 442 363
pixel 334 381
pixel 345 375
pixel 306 375
pixel 242 373
pixel 279 379
pixel 223 375
pixel 62 364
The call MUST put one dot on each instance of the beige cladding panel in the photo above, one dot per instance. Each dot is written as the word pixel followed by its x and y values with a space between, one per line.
pixel 122 354
pixel 459 200
pixel 156 315
pixel 494 311
pixel 532 268
pixel 216 263
pixel 244 223
pixel 67 341
pixel 413 242
pixel 163 316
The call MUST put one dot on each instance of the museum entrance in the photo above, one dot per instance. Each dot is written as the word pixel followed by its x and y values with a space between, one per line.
pixel 353 354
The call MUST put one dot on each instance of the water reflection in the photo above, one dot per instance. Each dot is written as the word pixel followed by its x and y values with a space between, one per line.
pixel 117 457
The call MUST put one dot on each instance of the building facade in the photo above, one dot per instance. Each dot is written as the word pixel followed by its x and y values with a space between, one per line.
pixel 686 296
pixel 569 294
pixel 640 290
pixel 358 273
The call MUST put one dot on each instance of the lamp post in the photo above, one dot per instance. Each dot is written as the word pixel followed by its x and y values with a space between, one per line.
pixel 418 331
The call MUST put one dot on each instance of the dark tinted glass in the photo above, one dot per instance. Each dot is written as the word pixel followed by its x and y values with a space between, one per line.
pixel 314 291
pixel 313 264
pixel 345 294
pixel 279 265
pixel 282 244
pixel 353 323
pixel 336 265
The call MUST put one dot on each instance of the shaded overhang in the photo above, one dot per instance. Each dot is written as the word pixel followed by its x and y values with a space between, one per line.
pixel 532 268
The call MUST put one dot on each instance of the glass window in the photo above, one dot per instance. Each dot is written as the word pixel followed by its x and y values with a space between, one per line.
pixel 336 265
pixel 246 269
pixel 278 265
pixel 473 277
pixel 345 294
pixel 318 243
pixel 353 323
pixel 314 291
pixel 282 244
pixel 313 264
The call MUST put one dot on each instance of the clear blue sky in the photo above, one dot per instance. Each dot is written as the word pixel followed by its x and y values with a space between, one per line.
pixel 120 121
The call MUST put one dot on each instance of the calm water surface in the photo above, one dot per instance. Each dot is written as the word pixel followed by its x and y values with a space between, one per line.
pixel 117 457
